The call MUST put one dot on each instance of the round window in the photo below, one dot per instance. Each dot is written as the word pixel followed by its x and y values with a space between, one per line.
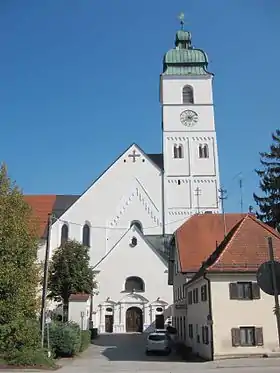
pixel 109 309
pixel 159 309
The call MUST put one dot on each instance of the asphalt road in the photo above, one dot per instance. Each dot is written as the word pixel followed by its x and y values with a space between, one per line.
pixel 126 353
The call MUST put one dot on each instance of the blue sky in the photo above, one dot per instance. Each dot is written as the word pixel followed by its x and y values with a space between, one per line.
pixel 79 82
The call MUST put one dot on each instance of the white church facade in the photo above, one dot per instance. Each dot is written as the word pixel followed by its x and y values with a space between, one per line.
pixel 128 214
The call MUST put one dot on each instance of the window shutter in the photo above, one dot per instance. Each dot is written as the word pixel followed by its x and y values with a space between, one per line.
pixel 235 336
pixel 256 291
pixel 259 336
pixel 233 291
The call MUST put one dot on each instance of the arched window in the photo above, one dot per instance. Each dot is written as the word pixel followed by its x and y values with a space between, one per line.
pixel 64 234
pixel 187 95
pixel 203 151
pixel 178 151
pixel 137 224
pixel 86 235
pixel 134 283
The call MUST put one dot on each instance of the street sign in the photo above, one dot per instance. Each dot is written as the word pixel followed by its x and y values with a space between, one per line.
pixel 264 277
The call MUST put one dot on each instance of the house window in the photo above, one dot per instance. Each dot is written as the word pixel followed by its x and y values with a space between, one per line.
pixel 191 331
pixel 86 235
pixel 203 151
pixel 247 336
pixel 195 295
pixel 187 95
pixel 134 283
pixel 190 297
pixel 205 335
pixel 197 334
pixel 64 234
pixel 244 290
pixel 203 293
pixel 137 224
pixel 178 151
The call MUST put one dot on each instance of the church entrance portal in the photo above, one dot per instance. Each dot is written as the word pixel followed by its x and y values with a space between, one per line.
pixel 134 320
pixel 109 321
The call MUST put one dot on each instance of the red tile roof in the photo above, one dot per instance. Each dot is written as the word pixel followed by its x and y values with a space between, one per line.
pixel 79 297
pixel 198 237
pixel 247 247
pixel 41 205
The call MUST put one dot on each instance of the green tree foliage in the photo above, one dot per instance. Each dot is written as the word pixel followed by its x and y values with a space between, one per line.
pixel 269 203
pixel 70 272
pixel 19 275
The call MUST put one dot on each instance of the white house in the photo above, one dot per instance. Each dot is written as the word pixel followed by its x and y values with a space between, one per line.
pixel 131 210
pixel 223 311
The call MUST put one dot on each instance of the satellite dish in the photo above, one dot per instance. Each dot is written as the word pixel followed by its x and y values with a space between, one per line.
pixel 264 277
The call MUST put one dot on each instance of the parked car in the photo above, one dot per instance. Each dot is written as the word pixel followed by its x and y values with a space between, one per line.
pixel 171 331
pixel 158 342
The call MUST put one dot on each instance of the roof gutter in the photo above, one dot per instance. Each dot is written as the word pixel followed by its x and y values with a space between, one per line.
pixel 210 317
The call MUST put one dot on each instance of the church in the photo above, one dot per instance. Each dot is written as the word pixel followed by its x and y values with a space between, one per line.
pixel 128 214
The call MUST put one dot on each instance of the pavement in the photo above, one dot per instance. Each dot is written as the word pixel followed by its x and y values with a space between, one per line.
pixel 126 353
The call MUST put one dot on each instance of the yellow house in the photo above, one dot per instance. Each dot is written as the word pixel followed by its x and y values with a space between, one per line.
pixel 221 311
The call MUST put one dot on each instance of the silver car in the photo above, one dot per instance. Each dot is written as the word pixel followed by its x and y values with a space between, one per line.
pixel 158 342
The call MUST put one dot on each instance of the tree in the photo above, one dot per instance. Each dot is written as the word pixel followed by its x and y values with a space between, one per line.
pixel 269 203
pixel 70 272
pixel 19 273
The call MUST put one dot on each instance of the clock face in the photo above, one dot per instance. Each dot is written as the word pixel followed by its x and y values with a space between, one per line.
pixel 188 118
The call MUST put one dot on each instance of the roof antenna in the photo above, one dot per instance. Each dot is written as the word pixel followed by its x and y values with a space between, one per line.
pixel 241 192
pixel 222 197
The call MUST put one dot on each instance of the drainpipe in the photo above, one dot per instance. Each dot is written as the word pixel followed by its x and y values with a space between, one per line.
pixel 210 319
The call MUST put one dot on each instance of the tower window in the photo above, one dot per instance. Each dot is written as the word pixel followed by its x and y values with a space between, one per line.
pixel 86 235
pixel 64 234
pixel 187 95
pixel 203 151
pixel 178 151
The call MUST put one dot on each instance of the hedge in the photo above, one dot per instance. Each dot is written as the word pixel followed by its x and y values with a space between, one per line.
pixel 85 340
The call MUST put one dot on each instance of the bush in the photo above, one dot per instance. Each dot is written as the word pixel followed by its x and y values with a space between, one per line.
pixel 30 357
pixel 85 339
pixel 65 339
pixel 18 334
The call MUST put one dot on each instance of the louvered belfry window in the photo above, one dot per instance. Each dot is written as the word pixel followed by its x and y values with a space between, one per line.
pixel 188 95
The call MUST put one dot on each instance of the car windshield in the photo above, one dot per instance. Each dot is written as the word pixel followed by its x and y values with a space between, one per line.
pixel 157 337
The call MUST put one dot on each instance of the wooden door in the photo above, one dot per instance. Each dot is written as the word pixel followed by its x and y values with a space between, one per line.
pixel 109 322
pixel 134 320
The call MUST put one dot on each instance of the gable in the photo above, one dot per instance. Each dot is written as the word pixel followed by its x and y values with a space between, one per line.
pixel 143 253
pixel 105 193
pixel 247 247
pixel 42 205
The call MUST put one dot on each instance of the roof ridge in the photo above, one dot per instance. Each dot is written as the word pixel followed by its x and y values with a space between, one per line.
pixel 265 226
pixel 235 230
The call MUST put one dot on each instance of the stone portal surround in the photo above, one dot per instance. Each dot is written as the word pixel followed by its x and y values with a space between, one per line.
pixel 119 313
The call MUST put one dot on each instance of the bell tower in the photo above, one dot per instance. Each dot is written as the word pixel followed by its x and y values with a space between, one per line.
pixel 191 170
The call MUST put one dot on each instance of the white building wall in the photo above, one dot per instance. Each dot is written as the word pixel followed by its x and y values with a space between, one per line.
pixel 190 183
pixel 79 312
pixel 179 309
pixel 125 261
pixel 228 314
pixel 127 191
pixel 198 314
